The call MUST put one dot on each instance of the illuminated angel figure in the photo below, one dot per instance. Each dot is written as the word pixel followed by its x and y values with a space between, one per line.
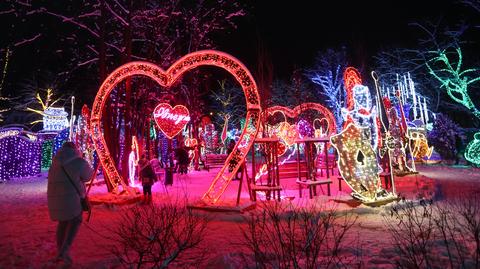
pixel 133 161
pixel 363 114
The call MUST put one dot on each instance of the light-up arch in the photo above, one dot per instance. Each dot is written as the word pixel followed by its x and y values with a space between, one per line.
pixel 295 112
pixel 167 79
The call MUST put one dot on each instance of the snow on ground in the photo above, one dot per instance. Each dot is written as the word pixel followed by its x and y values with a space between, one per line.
pixel 27 234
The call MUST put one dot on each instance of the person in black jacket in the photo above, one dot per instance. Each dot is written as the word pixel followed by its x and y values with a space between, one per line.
pixel 181 155
pixel 147 176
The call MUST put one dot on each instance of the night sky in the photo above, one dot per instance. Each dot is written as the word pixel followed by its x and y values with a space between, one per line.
pixel 294 31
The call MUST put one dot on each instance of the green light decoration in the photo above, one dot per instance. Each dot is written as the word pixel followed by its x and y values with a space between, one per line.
pixel 47 149
pixel 448 73
pixel 453 79
pixel 472 152
pixel 153 132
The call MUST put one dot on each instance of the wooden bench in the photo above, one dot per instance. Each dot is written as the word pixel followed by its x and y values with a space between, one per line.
pixel 264 188
pixel 312 186
pixel 215 160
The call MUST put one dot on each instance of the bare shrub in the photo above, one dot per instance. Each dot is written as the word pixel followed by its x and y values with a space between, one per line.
pixel 297 237
pixel 158 235
pixel 439 235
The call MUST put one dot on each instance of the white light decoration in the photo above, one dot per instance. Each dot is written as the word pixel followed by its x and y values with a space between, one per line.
pixel 133 158
pixel 55 119
pixel 358 162
pixel 363 113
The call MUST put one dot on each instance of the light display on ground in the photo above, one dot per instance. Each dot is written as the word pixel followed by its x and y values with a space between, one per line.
pixel 58 141
pixel 54 118
pixel 47 150
pixel 420 148
pixel 295 112
pixel 358 162
pixel 166 79
pixel 170 120
pixel 456 82
pixel 19 155
pixel 472 151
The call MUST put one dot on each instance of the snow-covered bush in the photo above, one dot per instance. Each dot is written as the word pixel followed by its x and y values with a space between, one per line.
pixel 445 137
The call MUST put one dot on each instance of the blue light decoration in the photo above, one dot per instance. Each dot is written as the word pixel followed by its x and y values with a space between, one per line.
pixel 20 155
pixel 61 138
pixel 55 119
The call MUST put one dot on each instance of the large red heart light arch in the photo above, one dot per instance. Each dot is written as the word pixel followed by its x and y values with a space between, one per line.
pixel 167 79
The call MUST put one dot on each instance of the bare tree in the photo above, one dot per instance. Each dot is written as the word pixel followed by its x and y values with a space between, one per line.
pixel 327 73
pixel 444 234
pixel 279 237
pixel 158 236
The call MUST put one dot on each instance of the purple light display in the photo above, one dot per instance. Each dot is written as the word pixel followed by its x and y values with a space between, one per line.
pixel 19 157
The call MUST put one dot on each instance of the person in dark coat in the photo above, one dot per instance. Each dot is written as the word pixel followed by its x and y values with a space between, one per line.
pixel 65 187
pixel 147 176
pixel 181 155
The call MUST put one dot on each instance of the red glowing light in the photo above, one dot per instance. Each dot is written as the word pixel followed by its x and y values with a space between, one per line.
pixel 167 79
pixel 171 120
pixel 351 77
pixel 295 112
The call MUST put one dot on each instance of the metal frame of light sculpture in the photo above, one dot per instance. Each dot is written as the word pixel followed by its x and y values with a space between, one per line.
pixel 167 79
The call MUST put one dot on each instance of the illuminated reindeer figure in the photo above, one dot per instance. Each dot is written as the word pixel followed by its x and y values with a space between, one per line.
pixel 456 82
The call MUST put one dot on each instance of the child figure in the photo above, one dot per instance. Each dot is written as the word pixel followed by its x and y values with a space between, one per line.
pixel 147 176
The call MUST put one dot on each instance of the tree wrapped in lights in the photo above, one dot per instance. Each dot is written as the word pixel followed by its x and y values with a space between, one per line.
pixel 54 118
pixel 455 81
pixel 327 73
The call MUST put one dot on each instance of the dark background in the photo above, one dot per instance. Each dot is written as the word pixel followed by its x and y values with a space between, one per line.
pixel 294 31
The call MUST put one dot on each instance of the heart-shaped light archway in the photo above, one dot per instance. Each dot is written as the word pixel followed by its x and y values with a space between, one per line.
pixel 167 79
pixel 295 112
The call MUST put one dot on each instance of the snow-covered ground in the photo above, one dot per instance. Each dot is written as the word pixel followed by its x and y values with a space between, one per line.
pixel 27 235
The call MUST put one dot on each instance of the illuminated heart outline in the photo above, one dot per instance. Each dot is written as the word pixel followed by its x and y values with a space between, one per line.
pixel 167 79
pixel 164 124
pixel 295 112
